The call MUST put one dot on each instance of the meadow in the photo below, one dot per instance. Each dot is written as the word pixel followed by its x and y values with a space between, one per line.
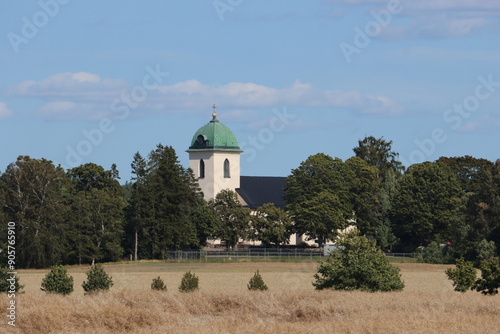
pixel 223 304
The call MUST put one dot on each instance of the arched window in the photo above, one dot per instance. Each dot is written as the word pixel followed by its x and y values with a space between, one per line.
pixel 227 173
pixel 202 169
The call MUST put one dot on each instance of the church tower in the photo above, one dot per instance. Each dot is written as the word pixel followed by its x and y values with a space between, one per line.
pixel 214 157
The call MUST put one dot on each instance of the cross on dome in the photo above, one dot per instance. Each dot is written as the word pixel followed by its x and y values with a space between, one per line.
pixel 214 114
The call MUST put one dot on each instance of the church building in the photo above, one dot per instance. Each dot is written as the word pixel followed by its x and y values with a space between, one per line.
pixel 214 157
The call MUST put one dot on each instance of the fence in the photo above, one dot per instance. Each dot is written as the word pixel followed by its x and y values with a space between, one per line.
pixel 246 253
pixel 299 254
pixel 410 255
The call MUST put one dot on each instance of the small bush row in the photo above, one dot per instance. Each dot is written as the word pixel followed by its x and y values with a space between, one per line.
pixel 60 282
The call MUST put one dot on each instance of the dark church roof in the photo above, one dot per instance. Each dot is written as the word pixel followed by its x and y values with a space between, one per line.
pixel 259 190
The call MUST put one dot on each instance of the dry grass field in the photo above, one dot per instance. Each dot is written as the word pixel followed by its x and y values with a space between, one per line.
pixel 224 305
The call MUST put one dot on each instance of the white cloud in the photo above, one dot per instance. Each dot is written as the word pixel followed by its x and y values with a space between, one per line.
pixel 251 95
pixel 82 84
pixel 88 96
pixel 434 18
pixel 4 111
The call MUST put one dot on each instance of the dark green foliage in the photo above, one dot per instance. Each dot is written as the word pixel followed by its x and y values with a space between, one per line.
pixel 232 220
pixel 357 264
pixel 365 195
pixel 36 197
pixel 433 253
pixel 204 220
pixel 98 214
pixel 479 182
pixel 463 275
pixel 164 211
pixel 374 210
pixel 7 281
pixel 489 282
pixel 318 198
pixel 428 206
pixel 158 284
pixel 271 225
pixel 57 281
pixel 189 282
pixel 97 280
pixel 486 250
pixel 256 283
pixel 378 153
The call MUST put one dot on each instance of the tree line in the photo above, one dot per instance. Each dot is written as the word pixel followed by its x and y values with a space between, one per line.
pixel 453 203
pixel 84 215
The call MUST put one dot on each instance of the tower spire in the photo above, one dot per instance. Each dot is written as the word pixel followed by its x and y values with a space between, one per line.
pixel 214 113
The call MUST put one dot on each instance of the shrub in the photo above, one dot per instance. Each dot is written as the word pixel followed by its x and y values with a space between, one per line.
pixel 97 280
pixel 7 281
pixel 57 281
pixel 433 253
pixel 485 250
pixel 489 282
pixel 189 282
pixel 463 275
pixel 158 284
pixel 357 264
pixel 256 282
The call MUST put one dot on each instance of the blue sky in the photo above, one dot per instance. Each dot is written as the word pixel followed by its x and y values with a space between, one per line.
pixel 97 81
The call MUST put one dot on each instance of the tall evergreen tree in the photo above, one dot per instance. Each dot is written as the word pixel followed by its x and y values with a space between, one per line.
pixel 98 209
pixel 162 204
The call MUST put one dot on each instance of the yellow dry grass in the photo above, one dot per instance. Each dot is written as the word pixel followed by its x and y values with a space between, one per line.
pixel 223 305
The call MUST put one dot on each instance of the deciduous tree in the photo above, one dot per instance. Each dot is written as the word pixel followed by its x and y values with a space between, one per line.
pixel 357 264
pixel 428 206
pixel 271 225
pixel 232 221
pixel 36 196
pixel 318 198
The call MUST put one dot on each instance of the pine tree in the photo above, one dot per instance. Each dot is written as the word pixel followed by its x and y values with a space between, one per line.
pixel 57 281
pixel 189 282
pixel 256 283
pixel 158 284
pixel 162 205
pixel 97 280
pixel 9 282
pixel 98 207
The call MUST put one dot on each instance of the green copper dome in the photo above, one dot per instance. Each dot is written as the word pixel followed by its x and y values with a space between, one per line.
pixel 214 136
